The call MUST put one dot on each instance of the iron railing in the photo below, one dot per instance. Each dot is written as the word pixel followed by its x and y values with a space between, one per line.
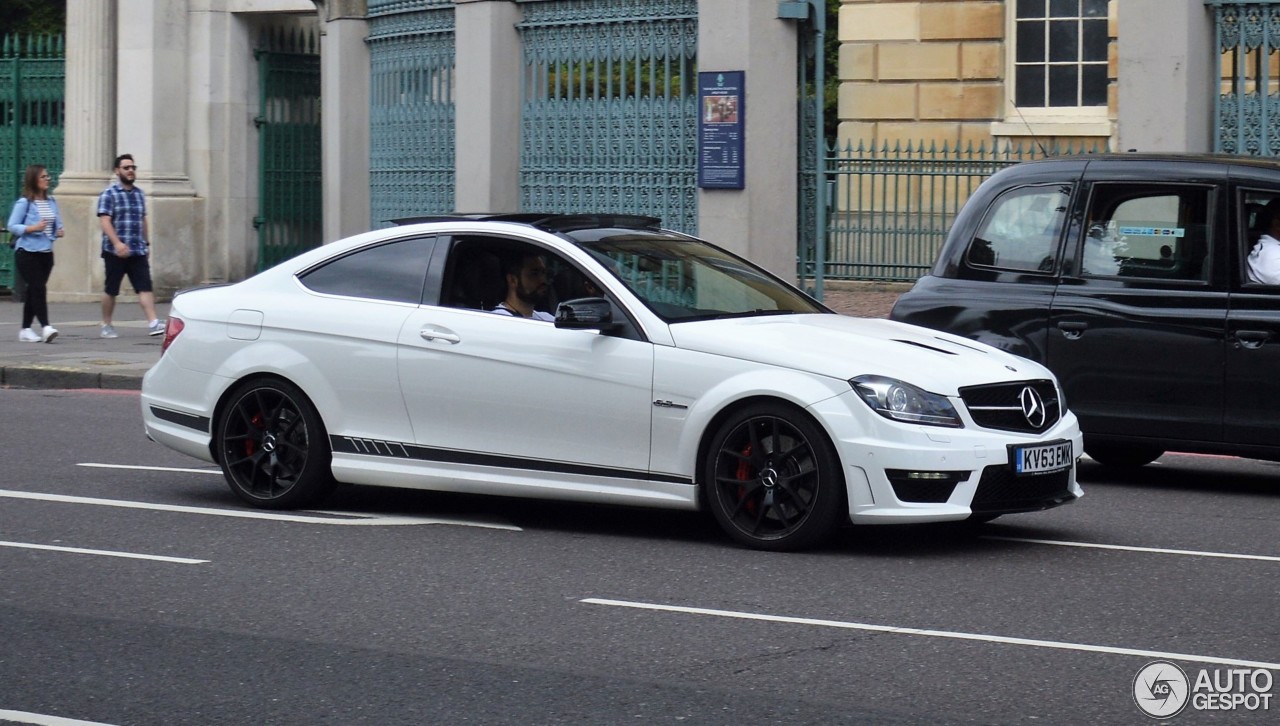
pixel 609 113
pixel 32 115
pixel 1247 80
pixel 891 205
pixel 412 108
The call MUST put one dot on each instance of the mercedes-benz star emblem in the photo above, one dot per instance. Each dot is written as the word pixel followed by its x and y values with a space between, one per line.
pixel 769 478
pixel 1032 407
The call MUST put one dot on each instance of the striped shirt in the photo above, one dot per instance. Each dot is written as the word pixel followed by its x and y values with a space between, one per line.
pixel 48 215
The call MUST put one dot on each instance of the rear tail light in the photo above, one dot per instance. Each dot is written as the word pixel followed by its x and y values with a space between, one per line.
pixel 171 330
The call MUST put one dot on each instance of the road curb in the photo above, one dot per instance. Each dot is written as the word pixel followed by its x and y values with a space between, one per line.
pixel 39 377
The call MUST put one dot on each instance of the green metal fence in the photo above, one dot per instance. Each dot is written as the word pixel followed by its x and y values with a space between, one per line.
pixel 609 119
pixel 290 200
pixel 32 72
pixel 1246 103
pixel 411 52
pixel 891 205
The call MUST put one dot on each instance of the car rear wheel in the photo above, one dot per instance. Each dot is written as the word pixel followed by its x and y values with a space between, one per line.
pixel 773 480
pixel 272 446
pixel 1124 455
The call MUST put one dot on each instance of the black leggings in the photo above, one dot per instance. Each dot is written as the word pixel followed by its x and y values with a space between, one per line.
pixel 35 268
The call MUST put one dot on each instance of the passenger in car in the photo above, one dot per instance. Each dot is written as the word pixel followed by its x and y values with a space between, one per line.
pixel 527 287
pixel 1264 260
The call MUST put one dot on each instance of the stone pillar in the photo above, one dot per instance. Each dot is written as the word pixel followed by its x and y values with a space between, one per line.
pixel 487 160
pixel 345 99
pixel 153 91
pixel 759 221
pixel 1165 76
pixel 89 147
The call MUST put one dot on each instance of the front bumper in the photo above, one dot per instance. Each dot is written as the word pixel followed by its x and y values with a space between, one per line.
pixel 971 466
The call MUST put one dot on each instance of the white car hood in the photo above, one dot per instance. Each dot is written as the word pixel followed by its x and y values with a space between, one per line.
pixel 843 347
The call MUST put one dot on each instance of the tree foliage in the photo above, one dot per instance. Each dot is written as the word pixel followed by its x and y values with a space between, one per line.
pixel 33 16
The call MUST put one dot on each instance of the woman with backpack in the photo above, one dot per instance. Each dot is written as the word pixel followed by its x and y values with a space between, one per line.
pixel 35 223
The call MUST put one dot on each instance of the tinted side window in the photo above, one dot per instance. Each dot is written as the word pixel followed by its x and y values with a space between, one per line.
pixel 394 271
pixel 1149 232
pixel 1021 229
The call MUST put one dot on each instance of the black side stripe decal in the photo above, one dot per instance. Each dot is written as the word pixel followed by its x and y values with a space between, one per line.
pixel 191 421
pixel 399 450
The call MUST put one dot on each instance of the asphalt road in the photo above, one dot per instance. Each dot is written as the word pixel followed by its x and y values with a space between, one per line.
pixel 150 596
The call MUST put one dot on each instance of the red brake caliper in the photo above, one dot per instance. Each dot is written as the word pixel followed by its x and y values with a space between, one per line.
pixel 258 423
pixel 744 474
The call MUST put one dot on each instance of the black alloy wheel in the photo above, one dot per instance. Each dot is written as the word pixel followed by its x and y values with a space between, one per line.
pixel 773 480
pixel 272 446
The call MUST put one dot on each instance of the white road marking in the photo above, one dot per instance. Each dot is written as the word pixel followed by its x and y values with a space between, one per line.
pixel 104 553
pixel 366 520
pixel 152 468
pixel 1130 548
pixel 1058 645
pixel 41 719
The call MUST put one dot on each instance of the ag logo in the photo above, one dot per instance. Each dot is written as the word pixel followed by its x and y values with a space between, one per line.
pixel 1161 689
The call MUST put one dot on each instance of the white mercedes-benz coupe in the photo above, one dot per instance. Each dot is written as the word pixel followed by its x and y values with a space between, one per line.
pixel 604 359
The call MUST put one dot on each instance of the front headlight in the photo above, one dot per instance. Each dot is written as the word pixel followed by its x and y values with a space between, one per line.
pixel 904 402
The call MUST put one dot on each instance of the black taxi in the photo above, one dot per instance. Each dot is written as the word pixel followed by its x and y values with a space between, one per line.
pixel 1128 276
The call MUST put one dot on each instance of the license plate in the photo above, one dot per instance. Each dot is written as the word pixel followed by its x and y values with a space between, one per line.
pixel 1041 458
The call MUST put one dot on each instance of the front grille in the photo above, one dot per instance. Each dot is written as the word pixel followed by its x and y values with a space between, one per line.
pixel 1000 490
pixel 1000 406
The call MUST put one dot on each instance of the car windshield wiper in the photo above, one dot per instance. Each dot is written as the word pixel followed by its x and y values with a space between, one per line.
pixel 752 313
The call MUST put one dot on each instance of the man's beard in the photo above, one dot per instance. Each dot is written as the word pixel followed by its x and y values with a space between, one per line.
pixel 533 297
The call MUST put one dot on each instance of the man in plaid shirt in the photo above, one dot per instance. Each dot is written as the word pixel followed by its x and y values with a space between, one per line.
pixel 122 211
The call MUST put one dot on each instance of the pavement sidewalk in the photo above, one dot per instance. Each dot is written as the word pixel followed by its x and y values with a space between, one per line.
pixel 78 357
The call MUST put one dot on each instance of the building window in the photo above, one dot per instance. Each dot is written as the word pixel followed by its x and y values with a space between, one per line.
pixel 1056 72
pixel 1060 54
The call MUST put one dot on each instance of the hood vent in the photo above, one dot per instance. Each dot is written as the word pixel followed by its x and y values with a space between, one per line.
pixel 922 345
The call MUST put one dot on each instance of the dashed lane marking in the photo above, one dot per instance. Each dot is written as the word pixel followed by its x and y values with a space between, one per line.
pixel 347 519
pixel 1131 548
pixel 134 467
pixel 104 553
pixel 895 630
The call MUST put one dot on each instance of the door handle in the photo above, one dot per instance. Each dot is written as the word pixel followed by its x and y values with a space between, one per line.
pixel 434 334
pixel 1072 331
pixel 1251 339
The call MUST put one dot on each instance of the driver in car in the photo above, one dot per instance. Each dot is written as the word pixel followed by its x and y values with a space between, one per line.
pixel 527 287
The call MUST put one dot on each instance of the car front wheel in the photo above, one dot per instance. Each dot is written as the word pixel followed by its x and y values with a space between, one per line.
pixel 272 446
pixel 773 480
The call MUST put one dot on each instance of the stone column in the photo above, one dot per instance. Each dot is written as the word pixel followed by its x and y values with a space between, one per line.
pixel 760 220
pixel 487 160
pixel 345 99
pixel 89 146
pixel 153 91
pixel 1165 76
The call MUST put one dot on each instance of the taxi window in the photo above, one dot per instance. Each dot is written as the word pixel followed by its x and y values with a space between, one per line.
pixel 1022 229
pixel 1159 233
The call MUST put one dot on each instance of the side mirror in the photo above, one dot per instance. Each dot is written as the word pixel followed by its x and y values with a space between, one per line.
pixel 585 313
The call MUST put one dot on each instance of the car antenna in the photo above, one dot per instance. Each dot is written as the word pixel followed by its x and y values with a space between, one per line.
pixel 1025 122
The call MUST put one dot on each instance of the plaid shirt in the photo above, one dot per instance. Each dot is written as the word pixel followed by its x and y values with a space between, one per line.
pixel 127 208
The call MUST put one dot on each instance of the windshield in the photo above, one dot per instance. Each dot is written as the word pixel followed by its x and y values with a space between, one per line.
pixel 683 279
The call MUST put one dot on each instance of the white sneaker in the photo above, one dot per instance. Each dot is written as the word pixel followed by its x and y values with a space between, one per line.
pixel 29 336
pixel 156 327
pixel 48 334
pixel 109 332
